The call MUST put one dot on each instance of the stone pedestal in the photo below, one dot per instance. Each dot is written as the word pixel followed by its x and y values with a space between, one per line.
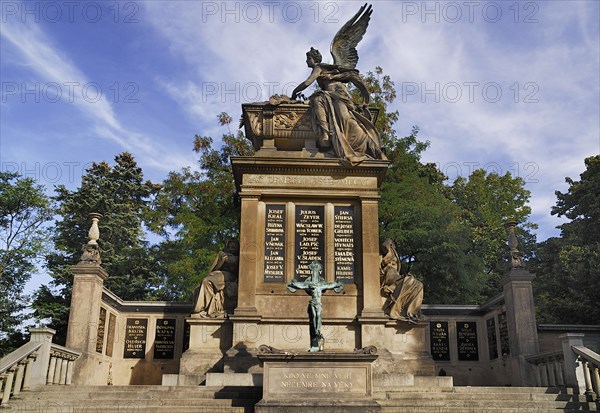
pixel 522 328
pixel 324 382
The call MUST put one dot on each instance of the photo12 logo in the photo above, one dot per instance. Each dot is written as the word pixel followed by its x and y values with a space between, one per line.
pixel 269 11
pixel 469 11
pixel 70 11
pixel 53 92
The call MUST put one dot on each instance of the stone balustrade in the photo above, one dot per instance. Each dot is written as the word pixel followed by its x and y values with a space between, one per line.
pixel 60 368
pixel 587 371
pixel 36 363
pixel 548 369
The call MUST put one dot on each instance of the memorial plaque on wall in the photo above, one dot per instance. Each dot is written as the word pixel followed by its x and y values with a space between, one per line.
pixel 343 241
pixel 440 342
pixel 310 239
pixel 186 337
pixel 275 243
pixel 110 340
pixel 492 338
pixel 135 338
pixel 466 338
pixel 164 340
pixel 101 330
pixel 503 328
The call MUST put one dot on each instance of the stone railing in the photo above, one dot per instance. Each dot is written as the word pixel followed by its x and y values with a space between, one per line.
pixel 548 369
pixel 588 377
pixel 60 369
pixel 575 366
pixel 15 371
pixel 36 363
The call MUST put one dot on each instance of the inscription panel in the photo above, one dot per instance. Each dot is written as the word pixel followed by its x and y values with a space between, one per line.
pixel 503 328
pixel 309 239
pixel 328 182
pixel 274 243
pixel 343 241
pixel 492 338
pixel 164 341
pixel 135 338
pixel 319 381
pixel 466 338
pixel 101 330
pixel 110 340
pixel 440 341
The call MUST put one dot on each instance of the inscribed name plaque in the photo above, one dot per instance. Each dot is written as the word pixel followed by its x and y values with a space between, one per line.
pixel 186 337
pixel 309 239
pixel 503 328
pixel 492 338
pixel 343 242
pixel 275 243
pixel 101 330
pixel 164 341
pixel 440 341
pixel 466 338
pixel 135 338
pixel 110 340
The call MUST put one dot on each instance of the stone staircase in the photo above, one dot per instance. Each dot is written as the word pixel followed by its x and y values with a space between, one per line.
pixel 136 399
pixel 461 399
pixel 216 399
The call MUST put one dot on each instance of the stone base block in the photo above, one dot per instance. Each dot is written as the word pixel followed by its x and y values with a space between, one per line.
pixel 435 381
pixel 332 382
pixel 182 379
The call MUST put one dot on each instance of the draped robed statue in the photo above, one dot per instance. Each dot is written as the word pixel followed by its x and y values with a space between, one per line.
pixel 404 293
pixel 339 123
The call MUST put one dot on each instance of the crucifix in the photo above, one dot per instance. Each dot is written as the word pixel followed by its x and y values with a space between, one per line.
pixel 315 286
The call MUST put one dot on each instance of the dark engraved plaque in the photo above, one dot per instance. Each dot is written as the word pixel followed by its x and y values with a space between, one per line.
pixel 110 340
pixel 492 338
pixel 310 239
pixel 186 337
pixel 466 338
pixel 101 330
pixel 503 327
pixel 343 242
pixel 275 243
pixel 164 340
pixel 135 338
pixel 440 342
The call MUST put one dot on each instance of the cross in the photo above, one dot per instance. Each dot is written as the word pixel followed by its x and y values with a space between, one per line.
pixel 315 286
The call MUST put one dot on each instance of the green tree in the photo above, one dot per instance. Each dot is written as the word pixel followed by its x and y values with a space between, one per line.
pixel 487 201
pixel 430 236
pixel 120 194
pixel 568 267
pixel 197 211
pixel 24 209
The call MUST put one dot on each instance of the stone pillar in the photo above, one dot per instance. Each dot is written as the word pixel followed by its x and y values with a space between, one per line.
pixel 249 250
pixel 88 283
pixel 19 379
pixel 522 327
pixel 370 246
pixel 573 375
pixel 39 370
pixel 28 370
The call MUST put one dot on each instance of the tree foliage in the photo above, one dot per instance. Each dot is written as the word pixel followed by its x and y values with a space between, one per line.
pixel 568 267
pixel 24 209
pixel 120 194
pixel 197 211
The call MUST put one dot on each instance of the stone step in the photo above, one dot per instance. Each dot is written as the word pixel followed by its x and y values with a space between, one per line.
pixel 485 396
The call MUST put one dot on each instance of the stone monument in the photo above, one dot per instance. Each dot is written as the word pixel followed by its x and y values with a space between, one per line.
pixel 310 193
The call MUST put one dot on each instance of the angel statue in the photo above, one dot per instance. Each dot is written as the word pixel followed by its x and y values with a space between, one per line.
pixel 338 122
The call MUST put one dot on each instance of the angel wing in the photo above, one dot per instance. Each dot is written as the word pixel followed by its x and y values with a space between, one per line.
pixel 343 46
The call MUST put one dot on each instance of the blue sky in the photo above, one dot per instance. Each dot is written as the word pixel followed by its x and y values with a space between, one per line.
pixel 507 86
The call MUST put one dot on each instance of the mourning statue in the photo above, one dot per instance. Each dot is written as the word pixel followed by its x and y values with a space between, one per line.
pixel 315 286
pixel 217 293
pixel 404 293
pixel 339 123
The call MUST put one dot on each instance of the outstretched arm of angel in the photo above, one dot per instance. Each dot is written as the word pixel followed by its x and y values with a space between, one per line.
pixel 309 81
